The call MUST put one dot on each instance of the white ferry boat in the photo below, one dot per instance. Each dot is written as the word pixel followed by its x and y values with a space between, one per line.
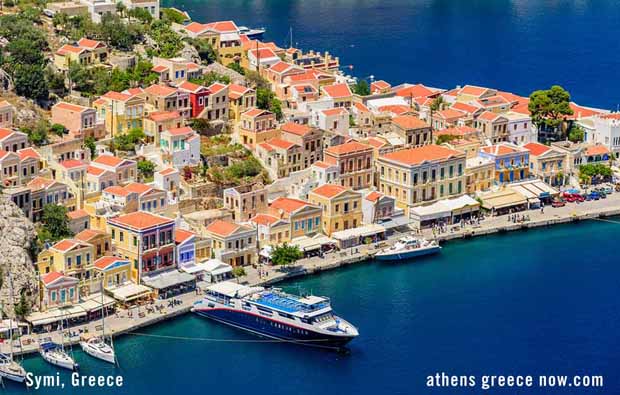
pixel 407 248
pixel 277 315
pixel 252 34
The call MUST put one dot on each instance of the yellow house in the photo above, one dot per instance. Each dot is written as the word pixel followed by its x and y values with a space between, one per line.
pixel 114 271
pixel 121 111
pixel 71 257
pixel 86 53
pixel 479 174
pixel 342 207
pixel 100 240
pixel 232 243
pixel 160 121
pixel 271 230
pixel 223 37
pixel 241 99
pixel 256 126
pixel 304 218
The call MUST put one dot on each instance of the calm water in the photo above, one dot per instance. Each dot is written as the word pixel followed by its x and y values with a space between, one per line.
pixel 518 45
pixel 535 302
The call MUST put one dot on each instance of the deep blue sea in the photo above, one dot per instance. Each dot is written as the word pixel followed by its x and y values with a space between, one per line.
pixel 514 45
pixel 536 302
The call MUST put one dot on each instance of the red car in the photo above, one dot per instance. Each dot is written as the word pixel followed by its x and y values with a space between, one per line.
pixel 558 203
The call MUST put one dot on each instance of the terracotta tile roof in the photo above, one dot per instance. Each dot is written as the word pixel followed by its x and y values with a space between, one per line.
pixel 322 165
pixel 160 90
pixel 492 101
pixel 133 91
pixel 536 148
pixel 223 26
pixel 264 219
pixel 236 91
pixel 161 116
pixel 281 143
pixel 65 245
pixel 191 87
pixel 409 122
pixel 105 261
pixel 88 234
pixel 255 112
pixel 361 107
pixel 138 187
pixel 108 160
pixel 70 106
pixel 418 155
pixel 472 90
pixel 182 235
pixel 296 128
pixel 75 214
pixel 348 148
pixel 195 27
pixel 499 149
pixel 597 150
pixel 140 220
pixel 159 69
pixel 396 109
pixel 4 133
pixel 465 107
pixel 449 113
pixel 26 153
pixel 335 111
pixel 90 44
pixel 456 131
pixel 288 205
pixel 222 228
pixel 329 190
pixel 376 142
pixel 182 131
pixel 118 96
pixel 95 171
pixel 168 171
pixel 281 67
pixel 379 86
pixel 40 183
pixel 72 163
pixel 613 115
pixel 373 196
pixel 263 53
pixel 417 90
pixel 338 91
pixel 117 190
pixel 488 116
pixel 51 277
pixel 70 48
pixel 216 87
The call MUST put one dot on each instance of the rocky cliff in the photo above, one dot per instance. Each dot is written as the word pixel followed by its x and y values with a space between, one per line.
pixel 17 235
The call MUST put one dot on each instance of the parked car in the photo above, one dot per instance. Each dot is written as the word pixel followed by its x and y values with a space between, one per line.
pixel 594 195
pixel 558 203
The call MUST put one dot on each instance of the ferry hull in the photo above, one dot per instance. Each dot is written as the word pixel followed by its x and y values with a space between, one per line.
pixel 399 256
pixel 273 329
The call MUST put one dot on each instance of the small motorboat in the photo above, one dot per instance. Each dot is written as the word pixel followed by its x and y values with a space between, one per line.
pixel 95 346
pixel 56 355
pixel 407 248
pixel 10 369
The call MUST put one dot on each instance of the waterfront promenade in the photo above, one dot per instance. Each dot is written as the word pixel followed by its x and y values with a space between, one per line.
pixel 131 321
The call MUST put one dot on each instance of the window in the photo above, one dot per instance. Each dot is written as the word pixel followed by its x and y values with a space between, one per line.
pixel 121 236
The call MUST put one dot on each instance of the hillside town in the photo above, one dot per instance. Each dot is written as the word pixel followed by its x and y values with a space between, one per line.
pixel 190 153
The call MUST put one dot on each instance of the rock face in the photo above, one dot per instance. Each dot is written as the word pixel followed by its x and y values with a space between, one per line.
pixel 17 235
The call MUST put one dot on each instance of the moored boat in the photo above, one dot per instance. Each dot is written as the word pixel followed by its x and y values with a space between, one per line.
pixel 407 248
pixel 10 369
pixel 96 347
pixel 252 34
pixel 277 315
pixel 56 355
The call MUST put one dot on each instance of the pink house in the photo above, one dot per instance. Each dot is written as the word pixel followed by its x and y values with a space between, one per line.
pixel 58 290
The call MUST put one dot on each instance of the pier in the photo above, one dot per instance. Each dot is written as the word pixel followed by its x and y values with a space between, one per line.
pixel 126 322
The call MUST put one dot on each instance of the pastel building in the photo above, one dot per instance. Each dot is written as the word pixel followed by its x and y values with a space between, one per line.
pixel 245 201
pixel 304 217
pixel 547 163
pixel 342 207
pixel 180 147
pixel 512 163
pixel 354 160
pixel 232 243
pixel 146 240
pixel 58 290
pixel 126 170
pixel 79 120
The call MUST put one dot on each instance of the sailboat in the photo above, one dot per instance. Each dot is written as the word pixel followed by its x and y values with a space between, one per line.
pixel 55 353
pixel 9 368
pixel 96 346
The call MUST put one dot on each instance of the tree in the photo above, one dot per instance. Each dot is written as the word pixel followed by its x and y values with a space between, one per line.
pixel 237 67
pixel 170 15
pixel 22 308
pixel 200 125
pixel 55 222
pixel 361 88
pixel 121 8
pixel 266 100
pixel 210 78
pixel 146 169
pixel 58 129
pixel 591 171
pixel 128 141
pixel 438 104
pixel 37 134
pixel 205 49
pixel 549 107
pixel 285 254
pixel 140 14
pixel 445 138
pixel 89 143
pixel 168 41
pixel 238 271
pixel 30 82
pixel 576 134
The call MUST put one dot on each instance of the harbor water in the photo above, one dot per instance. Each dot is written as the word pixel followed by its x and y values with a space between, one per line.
pixel 536 302
pixel 514 45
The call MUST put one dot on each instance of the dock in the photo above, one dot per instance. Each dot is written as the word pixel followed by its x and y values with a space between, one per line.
pixel 125 322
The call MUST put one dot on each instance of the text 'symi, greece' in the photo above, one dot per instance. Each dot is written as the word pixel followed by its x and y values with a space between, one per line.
pixel 484 382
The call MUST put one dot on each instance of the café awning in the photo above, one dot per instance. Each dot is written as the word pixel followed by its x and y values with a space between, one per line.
pixel 129 291
pixel 306 243
pixel 502 199
pixel 168 279
pixel 362 231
